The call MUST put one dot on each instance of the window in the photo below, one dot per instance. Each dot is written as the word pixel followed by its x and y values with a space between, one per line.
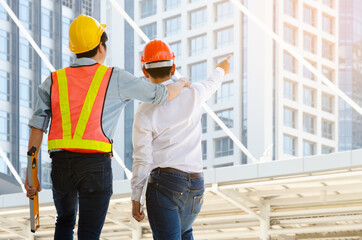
pixel 3 167
pixel 290 117
pixel 49 55
pixel 289 63
pixel 328 73
pixel 198 45
pixel 87 7
pixel 308 148
pixel 198 71
pixel 224 10
pixel 172 26
pixel 308 123
pixel 204 123
pixel 307 73
pixel 68 3
pixel 204 149
pixel 4 86
pixel 25 16
pixel 176 48
pixel 290 34
pixel 4 126
pixel 309 97
pixel 24 131
pixel 327 103
pixel 25 53
pixel 224 147
pixel 23 162
pixel 227 117
pixel 224 37
pixel 171 4
pixel 26 95
pixel 198 18
pixel 327 24
pixel 225 93
pixel 309 43
pixel 65 29
pixel 150 30
pixel 231 61
pixel 178 69
pixel 290 8
pixel 289 145
pixel 290 90
pixel 327 150
pixel 309 15
pixel 327 129
pixel 46 22
pixel 148 8
pixel 4 45
pixel 328 3
pixel 3 13
pixel 46 169
pixel 327 50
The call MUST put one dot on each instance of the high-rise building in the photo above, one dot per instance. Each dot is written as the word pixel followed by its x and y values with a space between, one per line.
pixel 21 71
pixel 350 73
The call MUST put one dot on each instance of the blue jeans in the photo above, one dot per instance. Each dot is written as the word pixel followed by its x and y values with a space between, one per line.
pixel 173 203
pixel 83 179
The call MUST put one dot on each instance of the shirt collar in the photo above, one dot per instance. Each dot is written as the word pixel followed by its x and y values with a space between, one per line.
pixel 167 82
pixel 83 62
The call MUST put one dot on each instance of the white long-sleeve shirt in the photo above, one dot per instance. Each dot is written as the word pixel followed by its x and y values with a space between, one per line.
pixel 169 135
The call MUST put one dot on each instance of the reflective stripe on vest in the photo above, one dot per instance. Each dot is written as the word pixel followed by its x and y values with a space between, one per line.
pixel 76 142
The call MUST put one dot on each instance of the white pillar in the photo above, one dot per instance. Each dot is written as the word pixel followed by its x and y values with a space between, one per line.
pixel 265 223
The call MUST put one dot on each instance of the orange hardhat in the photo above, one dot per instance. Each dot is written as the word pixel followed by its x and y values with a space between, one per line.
pixel 156 51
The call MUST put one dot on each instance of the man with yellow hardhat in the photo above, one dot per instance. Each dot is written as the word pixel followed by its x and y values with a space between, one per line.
pixel 84 102
pixel 167 148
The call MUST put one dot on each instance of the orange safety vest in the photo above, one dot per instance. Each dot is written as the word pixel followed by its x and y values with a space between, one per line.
pixel 77 99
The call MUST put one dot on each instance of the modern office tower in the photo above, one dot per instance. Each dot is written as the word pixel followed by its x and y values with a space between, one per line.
pixel 350 73
pixel 306 110
pixel 21 71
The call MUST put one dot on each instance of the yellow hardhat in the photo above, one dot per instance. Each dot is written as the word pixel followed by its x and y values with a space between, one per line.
pixel 85 34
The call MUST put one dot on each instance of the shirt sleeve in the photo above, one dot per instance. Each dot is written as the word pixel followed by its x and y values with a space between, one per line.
pixel 142 154
pixel 207 87
pixel 131 87
pixel 42 113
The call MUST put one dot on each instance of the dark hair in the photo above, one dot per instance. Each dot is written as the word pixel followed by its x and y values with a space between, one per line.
pixel 160 72
pixel 93 52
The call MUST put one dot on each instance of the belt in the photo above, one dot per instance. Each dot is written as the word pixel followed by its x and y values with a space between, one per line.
pixel 173 170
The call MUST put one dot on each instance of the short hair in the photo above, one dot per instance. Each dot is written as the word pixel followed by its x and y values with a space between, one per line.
pixel 160 72
pixel 93 52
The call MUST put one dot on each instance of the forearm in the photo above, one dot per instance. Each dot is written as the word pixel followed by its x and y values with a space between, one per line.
pixel 35 139
pixel 175 88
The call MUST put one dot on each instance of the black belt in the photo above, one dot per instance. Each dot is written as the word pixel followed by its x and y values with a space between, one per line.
pixel 173 170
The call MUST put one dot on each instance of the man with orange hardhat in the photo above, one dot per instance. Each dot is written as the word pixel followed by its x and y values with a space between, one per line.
pixel 167 148
pixel 84 102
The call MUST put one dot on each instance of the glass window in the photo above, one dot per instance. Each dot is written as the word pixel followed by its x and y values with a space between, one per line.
pixel 225 93
pixel 227 117
pixel 68 3
pixel 204 123
pixel 290 90
pixel 172 26
pixel 327 150
pixel 224 147
pixel 327 24
pixel 328 73
pixel 3 166
pixel 4 86
pixel 65 29
pixel 290 8
pixel 24 131
pixel 224 37
pixel 4 45
pixel 171 4
pixel 198 71
pixel 23 162
pixel 4 126
pixel 308 123
pixel 49 55
pixel 204 149
pixel 198 45
pixel 231 61
pixel 148 8
pixel 327 129
pixel 309 43
pixel 290 117
pixel 25 16
pixel 308 148
pixel 198 18
pixel 25 53
pixel 307 73
pixel 3 13
pixel 328 3
pixel 46 22
pixel 46 168
pixel 290 34
pixel 327 50
pixel 26 95
pixel 176 48
pixel 289 145
pixel 309 15
pixel 327 103
pixel 309 97
pixel 178 69
pixel 224 10
pixel 289 63
pixel 87 7
pixel 67 60
pixel 150 30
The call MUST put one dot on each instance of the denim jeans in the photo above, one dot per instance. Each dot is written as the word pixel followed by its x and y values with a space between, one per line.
pixel 83 179
pixel 173 203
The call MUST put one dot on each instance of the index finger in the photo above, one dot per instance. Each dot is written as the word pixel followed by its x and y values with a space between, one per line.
pixel 228 57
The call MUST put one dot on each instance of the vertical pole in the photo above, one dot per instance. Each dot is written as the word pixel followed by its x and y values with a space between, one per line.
pixel 265 223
